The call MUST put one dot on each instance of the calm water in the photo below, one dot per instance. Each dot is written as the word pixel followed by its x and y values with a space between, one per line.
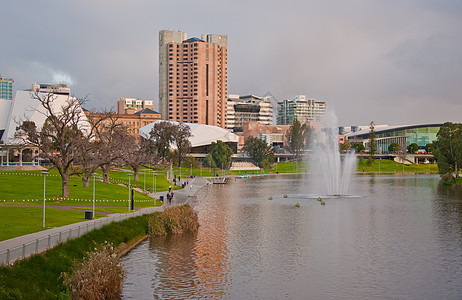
pixel 400 240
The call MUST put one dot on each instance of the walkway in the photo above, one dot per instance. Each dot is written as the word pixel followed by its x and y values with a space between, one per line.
pixel 27 245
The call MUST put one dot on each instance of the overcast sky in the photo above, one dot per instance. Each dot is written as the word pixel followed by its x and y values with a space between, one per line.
pixel 394 62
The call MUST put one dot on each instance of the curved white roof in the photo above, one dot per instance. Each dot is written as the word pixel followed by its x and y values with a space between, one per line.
pixel 201 134
pixel 25 107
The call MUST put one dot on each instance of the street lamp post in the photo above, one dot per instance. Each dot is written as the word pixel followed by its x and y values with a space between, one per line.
pixel 44 185
pixel 129 174
pixel 190 173
pixel 154 185
pixel 93 214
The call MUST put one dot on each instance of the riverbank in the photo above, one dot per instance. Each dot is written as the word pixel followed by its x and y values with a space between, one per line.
pixel 42 272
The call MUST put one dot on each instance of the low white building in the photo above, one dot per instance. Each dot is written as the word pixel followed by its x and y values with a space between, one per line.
pixel 202 136
pixel 25 108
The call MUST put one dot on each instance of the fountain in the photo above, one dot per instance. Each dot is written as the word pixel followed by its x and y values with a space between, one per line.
pixel 329 173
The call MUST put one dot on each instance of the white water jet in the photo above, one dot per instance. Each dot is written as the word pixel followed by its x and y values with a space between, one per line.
pixel 330 173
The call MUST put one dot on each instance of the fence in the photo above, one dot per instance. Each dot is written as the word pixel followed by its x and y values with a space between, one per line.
pixel 47 241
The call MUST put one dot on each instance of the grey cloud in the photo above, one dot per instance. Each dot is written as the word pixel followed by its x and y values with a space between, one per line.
pixel 387 61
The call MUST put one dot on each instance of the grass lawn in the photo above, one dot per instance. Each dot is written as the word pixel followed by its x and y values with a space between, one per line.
pixel 17 221
pixel 288 167
pixel 22 186
pixel 389 166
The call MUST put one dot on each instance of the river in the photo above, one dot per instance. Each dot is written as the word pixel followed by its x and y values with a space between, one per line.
pixel 399 239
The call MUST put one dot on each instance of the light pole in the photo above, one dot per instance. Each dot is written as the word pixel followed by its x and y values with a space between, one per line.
pixel 144 187
pixel 154 176
pixel 44 184
pixel 190 173
pixel 129 174
pixel 93 214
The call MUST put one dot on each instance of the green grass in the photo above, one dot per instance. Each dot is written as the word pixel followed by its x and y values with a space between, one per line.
pixel 392 167
pixel 288 167
pixel 26 187
pixel 13 185
pixel 38 277
pixel 17 221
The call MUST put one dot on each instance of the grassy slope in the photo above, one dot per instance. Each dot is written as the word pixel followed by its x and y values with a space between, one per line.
pixel 17 221
pixel 389 166
pixel 39 276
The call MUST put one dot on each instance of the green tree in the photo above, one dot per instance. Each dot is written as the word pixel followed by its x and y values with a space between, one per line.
pixel 162 134
pixel 181 135
pixel 394 147
pixel 296 137
pixel 372 142
pixel 359 147
pixel 259 151
pixel 345 146
pixel 221 154
pixel 429 148
pixel 208 161
pixel 413 148
pixel 448 148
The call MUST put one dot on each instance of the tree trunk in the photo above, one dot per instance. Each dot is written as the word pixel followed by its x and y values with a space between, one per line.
pixel 65 184
pixel 105 169
pixel 456 167
pixel 136 169
pixel 86 181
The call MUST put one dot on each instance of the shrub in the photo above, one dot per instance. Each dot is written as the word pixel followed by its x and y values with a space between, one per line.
pixel 447 179
pixel 370 161
pixel 174 220
pixel 98 276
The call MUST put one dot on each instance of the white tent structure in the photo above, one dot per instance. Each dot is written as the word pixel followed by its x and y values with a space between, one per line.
pixel 25 108
pixel 202 135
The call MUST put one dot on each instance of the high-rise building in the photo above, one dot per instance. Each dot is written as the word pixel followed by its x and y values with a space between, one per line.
pixel 300 108
pixel 250 108
pixel 193 76
pixel 131 105
pixel 6 88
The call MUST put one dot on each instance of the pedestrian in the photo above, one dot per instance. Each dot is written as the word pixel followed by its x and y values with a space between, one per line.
pixel 190 186
pixel 171 198
pixel 169 188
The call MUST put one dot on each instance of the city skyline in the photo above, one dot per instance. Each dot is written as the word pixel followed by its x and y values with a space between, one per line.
pixel 387 62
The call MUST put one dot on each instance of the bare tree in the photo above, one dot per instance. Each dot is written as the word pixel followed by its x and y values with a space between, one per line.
pixel 112 141
pixel 138 153
pixel 57 140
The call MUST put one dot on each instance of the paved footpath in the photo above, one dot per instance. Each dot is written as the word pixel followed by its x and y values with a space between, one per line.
pixel 182 196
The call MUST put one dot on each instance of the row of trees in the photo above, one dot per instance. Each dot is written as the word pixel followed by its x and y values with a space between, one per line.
pixel 77 146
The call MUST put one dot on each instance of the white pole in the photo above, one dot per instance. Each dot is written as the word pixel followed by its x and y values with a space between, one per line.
pixel 44 185
pixel 93 215
pixel 144 188
pixel 129 192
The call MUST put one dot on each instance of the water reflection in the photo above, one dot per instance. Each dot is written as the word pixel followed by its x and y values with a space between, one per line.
pixel 401 239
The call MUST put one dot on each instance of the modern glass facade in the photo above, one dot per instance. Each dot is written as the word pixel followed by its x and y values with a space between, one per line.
pixel 419 134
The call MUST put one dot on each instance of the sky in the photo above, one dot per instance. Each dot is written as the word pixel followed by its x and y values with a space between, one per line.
pixel 393 62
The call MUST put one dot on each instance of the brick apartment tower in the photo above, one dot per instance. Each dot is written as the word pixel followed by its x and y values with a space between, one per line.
pixel 193 78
